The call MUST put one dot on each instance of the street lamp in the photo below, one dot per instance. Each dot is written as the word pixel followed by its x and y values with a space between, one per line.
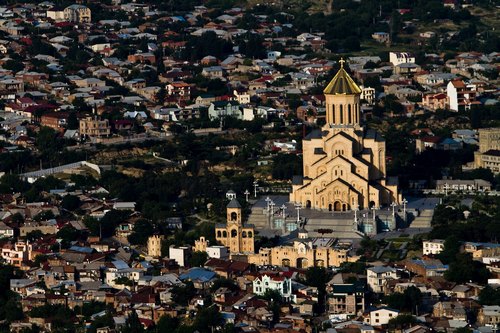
pixel 272 204
pixel 356 210
pixel 283 211
pixel 298 207
pixel 374 209
pixel 246 193
pixel 267 200
pixel 393 205
pixel 255 185
pixel 404 208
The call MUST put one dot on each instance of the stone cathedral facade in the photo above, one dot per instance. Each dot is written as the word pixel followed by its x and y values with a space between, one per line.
pixel 344 162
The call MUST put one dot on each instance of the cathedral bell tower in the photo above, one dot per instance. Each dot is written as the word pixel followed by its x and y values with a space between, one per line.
pixel 342 100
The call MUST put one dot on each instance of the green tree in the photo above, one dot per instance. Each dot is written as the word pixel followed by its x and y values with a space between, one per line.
pixel 70 202
pixel 142 230
pixel 73 122
pixel 198 259
pixel 489 296
pixel 167 324
pixel 451 249
pixel 133 324
pixel 402 321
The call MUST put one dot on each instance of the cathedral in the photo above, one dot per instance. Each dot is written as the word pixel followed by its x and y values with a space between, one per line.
pixel 344 162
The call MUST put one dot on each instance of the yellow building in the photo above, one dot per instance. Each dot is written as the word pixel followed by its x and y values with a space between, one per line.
pixel 154 246
pixel 234 235
pixel 488 155
pixel 304 253
pixel 343 163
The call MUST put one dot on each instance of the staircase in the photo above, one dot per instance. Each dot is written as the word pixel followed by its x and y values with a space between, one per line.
pixel 423 220
pixel 258 218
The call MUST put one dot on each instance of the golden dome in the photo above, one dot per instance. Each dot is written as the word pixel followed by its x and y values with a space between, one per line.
pixel 342 83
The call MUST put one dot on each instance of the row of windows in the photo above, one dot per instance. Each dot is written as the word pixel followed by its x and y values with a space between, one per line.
pixel 349 117
pixel 234 233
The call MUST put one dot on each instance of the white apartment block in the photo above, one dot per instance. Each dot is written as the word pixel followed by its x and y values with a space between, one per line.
pixel 398 58
pixel 266 282
pixel 434 246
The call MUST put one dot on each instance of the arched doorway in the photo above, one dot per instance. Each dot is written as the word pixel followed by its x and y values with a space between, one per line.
pixel 330 207
pixel 308 204
pixel 337 206
pixel 372 204
pixel 302 263
pixel 285 262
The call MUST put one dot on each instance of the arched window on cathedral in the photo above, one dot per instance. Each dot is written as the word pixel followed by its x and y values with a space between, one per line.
pixel 349 113
pixel 250 234
pixel 333 113
pixel 234 233
pixel 219 234
pixel 341 113
pixel 234 216
pixel 224 234
pixel 244 234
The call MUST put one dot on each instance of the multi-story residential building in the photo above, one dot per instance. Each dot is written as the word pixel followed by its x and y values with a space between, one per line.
pixel 398 58
pixel 488 155
pixel 434 246
pixel 6 231
pixel 15 254
pixel 180 254
pixel 489 315
pixel 435 102
pixel 381 316
pixel 94 127
pixel 77 13
pixel 378 276
pixel 223 109
pixel 55 120
pixel 179 90
pixel 368 94
pixel 269 281
pixel 461 96
pixel 347 299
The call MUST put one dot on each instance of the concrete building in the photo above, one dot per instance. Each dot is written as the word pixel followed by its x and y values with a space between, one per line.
pixel 15 254
pixel 433 247
pixel 461 96
pixel 180 254
pixel 343 163
pixel 398 58
pixel 381 316
pixel 239 238
pixel 347 299
pixel 77 13
pixel 154 246
pixel 94 127
pixel 378 276
pixel 488 155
